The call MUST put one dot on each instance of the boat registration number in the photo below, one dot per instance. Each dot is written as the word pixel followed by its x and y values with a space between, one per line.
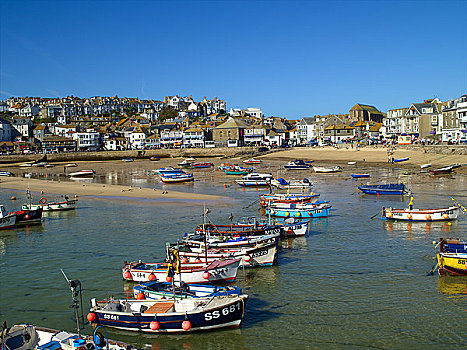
pixel 111 317
pixel 208 316
pixel 462 261
pixel 260 253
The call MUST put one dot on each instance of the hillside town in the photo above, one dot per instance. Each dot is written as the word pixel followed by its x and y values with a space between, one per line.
pixel 69 124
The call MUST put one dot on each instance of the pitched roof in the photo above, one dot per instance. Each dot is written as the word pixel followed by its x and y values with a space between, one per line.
pixel 232 123
pixel 362 107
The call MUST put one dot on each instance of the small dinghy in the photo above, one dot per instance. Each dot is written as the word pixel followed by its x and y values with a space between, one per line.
pixel 387 189
pixel 82 173
pixel 322 169
pixel 399 160
pixel 6 173
pixel 177 178
pixel 358 176
pixel 424 166
pixel 253 161
pixel 202 165
pixel 255 179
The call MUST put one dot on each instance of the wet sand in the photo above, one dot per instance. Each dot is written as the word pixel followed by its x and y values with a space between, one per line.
pixel 272 162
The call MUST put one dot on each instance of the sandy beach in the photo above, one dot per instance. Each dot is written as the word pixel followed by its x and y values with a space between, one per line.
pixel 57 182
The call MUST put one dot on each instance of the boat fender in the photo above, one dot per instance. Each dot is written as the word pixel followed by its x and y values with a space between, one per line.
pixel 43 200
pixel 186 325
pixel 409 216
pixel 389 215
pixel 445 216
pixel 91 317
pixel 309 213
pixel 287 213
pixel 154 325
pixel 428 216
pixel 299 214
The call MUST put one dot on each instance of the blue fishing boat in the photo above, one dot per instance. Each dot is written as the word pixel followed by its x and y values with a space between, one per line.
pixel 398 160
pixel 177 178
pixel 383 189
pixel 358 176
pixel 168 171
pixel 318 209
pixel 161 290
pixel 237 170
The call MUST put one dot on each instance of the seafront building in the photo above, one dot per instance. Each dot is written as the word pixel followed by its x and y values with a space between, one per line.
pixel 36 124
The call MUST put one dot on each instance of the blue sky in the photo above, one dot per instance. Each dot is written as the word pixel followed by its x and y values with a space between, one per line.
pixel 290 58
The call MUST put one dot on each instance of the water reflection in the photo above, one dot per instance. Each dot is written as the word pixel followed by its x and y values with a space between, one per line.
pixel 452 285
pixel 416 227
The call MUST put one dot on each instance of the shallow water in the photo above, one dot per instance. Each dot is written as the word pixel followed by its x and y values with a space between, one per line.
pixel 352 282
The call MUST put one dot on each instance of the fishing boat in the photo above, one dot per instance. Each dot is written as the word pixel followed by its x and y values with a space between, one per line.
pixel 224 166
pixel 268 199
pixel 202 165
pixel 293 184
pixel 30 337
pixel 399 160
pixel 358 176
pixel 262 254
pixel 128 160
pixel 237 170
pixel 164 290
pixel 246 227
pixel 71 165
pixel 6 173
pixel 424 166
pixel 444 170
pixel 255 179
pixel 28 217
pixel 7 220
pixel 67 204
pixel 168 171
pixel 186 163
pixel 297 164
pixel 169 316
pixel 318 209
pixel 230 242
pixel 386 189
pixel 177 178
pixel 322 169
pixel 217 271
pixel 253 161
pixel 440 214
pixel 452 256
pixel 82 173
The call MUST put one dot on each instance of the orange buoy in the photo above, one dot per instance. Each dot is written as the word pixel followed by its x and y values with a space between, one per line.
pixel 446 216
pixel 154 325
pixel 389 215
pixel 13 198
pixel 247 258
pixel 91 316
pixel 186 325
pixel 428 216
pixel 168 279
pixel 409 216
pixel 151 277
pixel 206 275
pixel 140 296
pixel 126 275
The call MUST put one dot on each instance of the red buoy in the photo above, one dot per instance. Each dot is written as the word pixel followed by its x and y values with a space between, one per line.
pixel 13 198
pixel 151 277
pixel 140 296
pixel 126 275
pixel 186 325
pixel 198 260
pixel 168 279
pixel 206 275
pixel 184 260
pixel 91 316
pixel 247 258
pixel 155 325
pixel 26 216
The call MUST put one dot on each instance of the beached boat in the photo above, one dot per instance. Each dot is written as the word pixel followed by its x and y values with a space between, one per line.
pixel 83 173
pixel 318 209
pixel 297 164
pixel 398 160
pixel 224 166
pixel 6 173
pixel 168 171
pixel 253 161
pixel 217 271
pixel 440 214
pixel 444 170
pixel 452 256
pixel 128 159
pixel 358 176
pixel 71 165
pixel 154 159
pixel 292 184
pixel 164 290
pixel 177 178
pixel 322 169
pixel 29 337
pixel 351 163
pixel 387 189
pixel 202 165
pixel 237 170
pixel 255 179
pixel 170 316
pixel 67 204
pixel 7 220
pixel 424 166
pixel 186 163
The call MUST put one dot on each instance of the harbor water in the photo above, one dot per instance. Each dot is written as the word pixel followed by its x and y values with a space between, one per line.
pixel 353 282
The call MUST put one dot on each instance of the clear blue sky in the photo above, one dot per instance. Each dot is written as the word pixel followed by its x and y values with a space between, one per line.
pixel 291 58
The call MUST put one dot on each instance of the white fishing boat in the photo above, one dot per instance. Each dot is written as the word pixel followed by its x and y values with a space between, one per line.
pixel 351 163
pixel 440 214
pixel 186 163
pixel 83 173
pixel 424 166
pixel 6 173
pixel 292 184
pixel 322 169
pixel 253 161
pixel 7 220
pixel 197 272
pixel 67 204
pixel 255 179
pixel 177 178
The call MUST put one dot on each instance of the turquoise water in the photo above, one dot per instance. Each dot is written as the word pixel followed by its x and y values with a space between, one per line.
pixel 352 282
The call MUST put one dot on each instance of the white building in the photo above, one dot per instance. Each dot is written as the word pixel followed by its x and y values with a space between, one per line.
pixel 307 130
pixel 87 140
pixel 193 137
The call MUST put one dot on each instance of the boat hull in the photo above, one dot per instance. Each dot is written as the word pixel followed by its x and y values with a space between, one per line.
pixel 226 314
pixel 452 263
pixel 320 212
pixel 7 222
pixel 441 214
pixel 252 183
pixel 55 206
pixel 29 217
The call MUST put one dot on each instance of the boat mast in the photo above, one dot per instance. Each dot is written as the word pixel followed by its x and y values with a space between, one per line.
pixel 205 213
